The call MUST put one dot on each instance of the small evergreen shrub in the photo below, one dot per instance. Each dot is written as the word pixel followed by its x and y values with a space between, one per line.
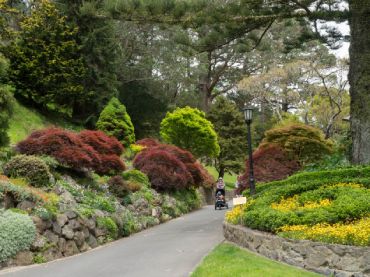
pixel 17 232
pixel 32 168
pixel 115 121
pixel 136 176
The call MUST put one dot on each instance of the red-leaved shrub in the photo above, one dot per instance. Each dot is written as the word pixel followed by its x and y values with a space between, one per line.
pixel 165 171
pixel 102 143
pixel 69 149
pixel 109 164
pixel 148 142
pixel 170 167
pixel 183 155
pixel 270 163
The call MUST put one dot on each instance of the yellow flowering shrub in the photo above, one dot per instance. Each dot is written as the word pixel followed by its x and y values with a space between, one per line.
pixel 353 233
pixel 292 204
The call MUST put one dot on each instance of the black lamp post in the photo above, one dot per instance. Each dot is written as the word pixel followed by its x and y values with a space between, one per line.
pixel 248 116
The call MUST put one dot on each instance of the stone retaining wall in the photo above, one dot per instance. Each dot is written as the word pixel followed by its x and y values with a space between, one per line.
pixel 327 259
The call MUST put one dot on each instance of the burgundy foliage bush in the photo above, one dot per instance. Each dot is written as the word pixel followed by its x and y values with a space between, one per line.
pixel 148 142
pixel 270 163
pixel 169 167
pixel 102 143
pixel 69 149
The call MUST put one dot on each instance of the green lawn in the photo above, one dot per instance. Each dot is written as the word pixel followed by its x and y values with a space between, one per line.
pixel 229 260
pixel 228 178
pixel 25 120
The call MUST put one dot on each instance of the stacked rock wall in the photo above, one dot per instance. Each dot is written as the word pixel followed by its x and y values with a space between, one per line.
pixel 328 259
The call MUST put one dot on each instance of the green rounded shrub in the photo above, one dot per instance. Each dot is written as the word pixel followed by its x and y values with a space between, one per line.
pixel 31 168
pixel 189 129
pixel 17 232
pixel 115 121
pixel 136 176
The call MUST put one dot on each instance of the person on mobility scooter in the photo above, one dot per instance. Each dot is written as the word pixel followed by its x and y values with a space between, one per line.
pixel 220 195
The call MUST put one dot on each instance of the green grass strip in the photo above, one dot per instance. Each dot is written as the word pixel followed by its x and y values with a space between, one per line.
pixel 227 260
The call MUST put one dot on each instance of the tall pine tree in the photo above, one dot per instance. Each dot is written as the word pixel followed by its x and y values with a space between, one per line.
pixel 229 124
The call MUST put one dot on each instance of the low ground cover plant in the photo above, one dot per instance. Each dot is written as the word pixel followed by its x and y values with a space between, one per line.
pixel 330 206
pixel 17 233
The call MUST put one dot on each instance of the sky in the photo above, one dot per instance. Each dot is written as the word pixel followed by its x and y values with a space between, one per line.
pixel 343 51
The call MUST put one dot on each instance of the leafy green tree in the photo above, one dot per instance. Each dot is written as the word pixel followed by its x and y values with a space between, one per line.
pixel 232 133
pixel 46 66
pixel 188 128
pixel 6 102
pixel 115 121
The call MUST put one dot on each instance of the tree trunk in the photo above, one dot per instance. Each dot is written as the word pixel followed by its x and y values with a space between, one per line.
pixel 221 173
pixel 359 80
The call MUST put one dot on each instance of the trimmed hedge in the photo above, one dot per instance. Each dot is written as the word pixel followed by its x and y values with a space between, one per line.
pixel 347 203
pixel 31 168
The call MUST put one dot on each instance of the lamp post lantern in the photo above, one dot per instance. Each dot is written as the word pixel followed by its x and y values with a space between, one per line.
pixel 248 116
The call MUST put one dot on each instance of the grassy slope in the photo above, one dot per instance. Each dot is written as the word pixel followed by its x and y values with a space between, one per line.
pixel 228 260
pixel 25 120
pixel 228 178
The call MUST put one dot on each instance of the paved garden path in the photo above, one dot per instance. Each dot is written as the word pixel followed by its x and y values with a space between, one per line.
pixel 172 249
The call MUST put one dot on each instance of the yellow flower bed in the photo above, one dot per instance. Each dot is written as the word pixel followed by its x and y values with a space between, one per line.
pixel 292 204
pixel 234 216
pixel 346 185
pixel 355 233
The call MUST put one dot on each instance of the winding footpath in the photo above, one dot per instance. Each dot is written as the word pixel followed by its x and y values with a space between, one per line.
pixel 172 249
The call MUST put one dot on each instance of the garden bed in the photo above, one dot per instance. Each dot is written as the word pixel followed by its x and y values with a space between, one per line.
pixel 327 207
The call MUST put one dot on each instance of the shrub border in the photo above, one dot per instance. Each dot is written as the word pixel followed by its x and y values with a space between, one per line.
pixel 327 259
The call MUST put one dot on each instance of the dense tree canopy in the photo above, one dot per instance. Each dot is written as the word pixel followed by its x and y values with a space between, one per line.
pixel 6 102
pixel 45 63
